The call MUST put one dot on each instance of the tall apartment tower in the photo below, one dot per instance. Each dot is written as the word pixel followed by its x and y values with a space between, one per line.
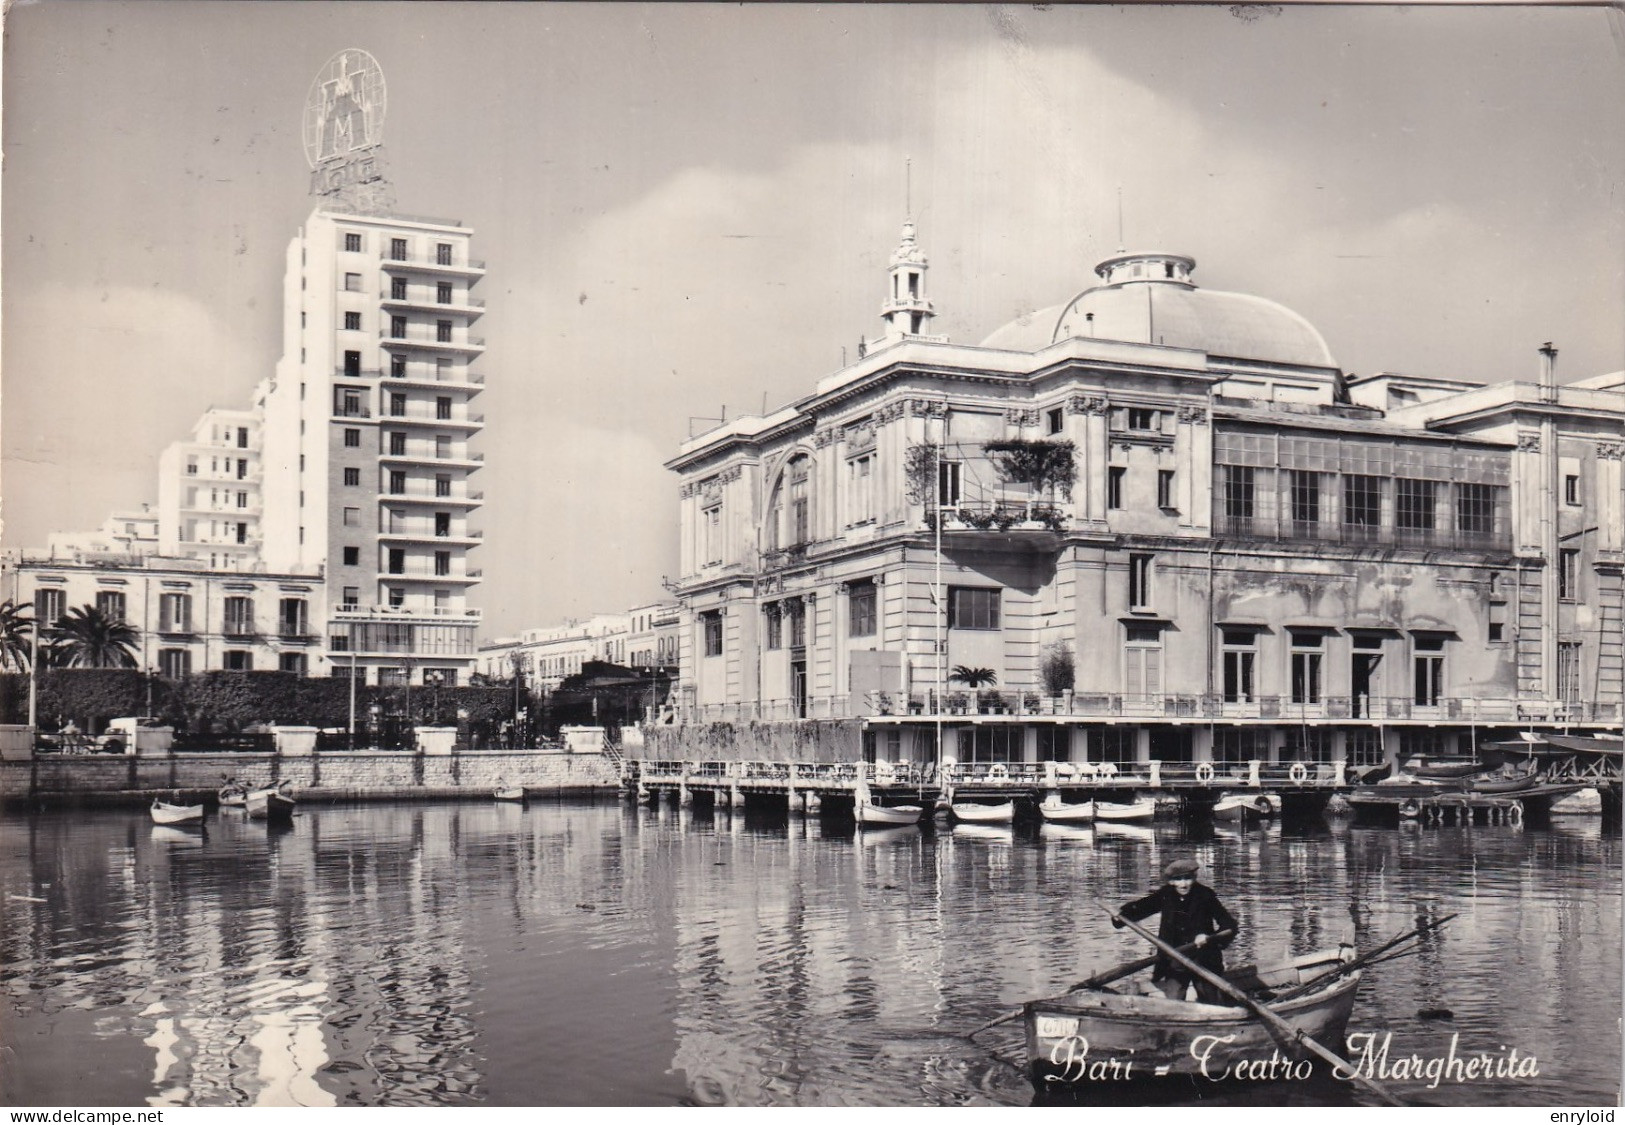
pixel 367 422
pixel 209 501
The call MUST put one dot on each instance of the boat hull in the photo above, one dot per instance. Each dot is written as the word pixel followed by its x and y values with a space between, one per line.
pixel 1087 1038
pixel 866 813
pixel 268 804
pixel 1083 813
pixel 1138 811
pixel 1242 808
pixel 985 814
pixel 177 814
pixel 513 794
pixel 1506 785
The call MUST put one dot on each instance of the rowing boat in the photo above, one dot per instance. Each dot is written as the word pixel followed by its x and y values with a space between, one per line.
pixel 1447 771
pixel 867 812
pixel 1056 811
pixel 271 804
pixel 1139 810
pixel 984 814
pixel 176 814
pixel 1506 784
pixel 233 795
pixel 1235 806
pixel 508 792
pixel 1083 1037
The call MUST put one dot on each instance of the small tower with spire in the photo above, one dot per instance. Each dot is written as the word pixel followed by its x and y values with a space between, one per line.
pixel 907 310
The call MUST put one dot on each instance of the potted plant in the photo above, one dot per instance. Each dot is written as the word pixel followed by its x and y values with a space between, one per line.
pixel 989 701
pixel 958 701
pixel 1043 466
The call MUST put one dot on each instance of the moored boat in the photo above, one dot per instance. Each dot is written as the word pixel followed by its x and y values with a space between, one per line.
pixel 1447 771
pixel 867 812
pixel 508 792
pixel 1506 784
pixel 1138 811
pixel 1057 811
pixel 163 813
pixel 271 804
pixel 1237 806
pixel 984 814
pixel 1085 1036
pixel 233 795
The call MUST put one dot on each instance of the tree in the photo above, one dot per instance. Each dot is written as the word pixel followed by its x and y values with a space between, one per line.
pixel 86 637
pixel 1056 669
pixel 973 677
pixel 1044 466
pixel 16 635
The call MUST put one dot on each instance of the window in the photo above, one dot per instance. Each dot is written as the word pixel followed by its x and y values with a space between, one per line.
pixel 973 607
pixel 295 662
pixel 1568 574
pixel 861 603
pixel 242 468
pixel 397 404
pixel 173 663
pixel 1413 504
pixel 47 607
pixel 1497 621
pixel 175 613
pixel 442 407
pixel 1054 423
pixel 795 612
pixel 397 560
pixel 442 331
pixel 1165 489
pixel 1363 747
pixel 397 288
pixel 1571 490
pixel 242 499
pixel 442 446
pixel 1306 665
pixel 236 660
pixel 397 249
pixel 397 327
pixel 1114 486
pixel 397 366
pixel 1238 492
pixel 442 254
pixel 348 404
pixel 352 476
pixel 712 623
pixel 352 438
pixel 775 625
pixel 1139 581
pixel 351 595
pixel 1429 670
pixel 1305 500
pixel 1240 745
pixel 861 491
pixel 1310 745
pixel 352 556
pixel 442 563
pixel 442 293
pixel 1142 419
pixel 291 617
pixel 111 604
pixel 397 482
pixel 1362 502
pixel 242 437
pixel 1475 508
pixel 1054 744
pixel 352 322
pixel 1240 660
pixel 442 524
pixel 352 517
pixel 1142 661
pixel 397 596
pixel 352 283
pixel 191 466
pixel 984 745
pixel 442 485
pixel 352 242
pixel 239 617
pixel 397 444
pixel 1568 671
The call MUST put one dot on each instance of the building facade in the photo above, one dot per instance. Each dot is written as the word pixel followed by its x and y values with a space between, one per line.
pixel 645 638
pixel 1154 522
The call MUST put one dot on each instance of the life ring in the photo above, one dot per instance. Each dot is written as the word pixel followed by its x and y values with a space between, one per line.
pixel 1263 806
pixel 1298 773
pixel 1204 772
pixel 1410 808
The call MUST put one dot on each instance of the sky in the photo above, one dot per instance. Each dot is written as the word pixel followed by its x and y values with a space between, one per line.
pixel 688 209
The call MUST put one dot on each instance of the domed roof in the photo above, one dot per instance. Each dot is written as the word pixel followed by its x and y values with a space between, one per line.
pixel 1148 298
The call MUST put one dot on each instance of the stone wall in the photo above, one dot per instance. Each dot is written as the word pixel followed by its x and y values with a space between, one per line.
pixel 806 740
pixel 346 775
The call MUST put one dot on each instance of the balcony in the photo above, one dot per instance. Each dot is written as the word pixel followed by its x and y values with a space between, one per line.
pixel 1359 535
pixel 423 263
pixel 427 574
pixel 465 538
pixel 358 373
pixel 430 457
pixel 428 496
pixel 440 615
pixel 351 410
pixel 430 418
pixel 471 308
pixel 429 340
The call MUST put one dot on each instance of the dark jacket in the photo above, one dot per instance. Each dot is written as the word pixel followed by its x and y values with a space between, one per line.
pixel 1183 917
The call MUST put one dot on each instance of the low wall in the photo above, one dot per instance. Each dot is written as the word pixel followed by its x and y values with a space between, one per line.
pixel 336 776
pixel 802 740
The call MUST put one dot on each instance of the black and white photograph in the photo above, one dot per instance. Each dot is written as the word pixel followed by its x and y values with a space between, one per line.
pixel 888 555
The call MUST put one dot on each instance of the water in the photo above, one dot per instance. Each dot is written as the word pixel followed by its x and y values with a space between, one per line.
pixel 552 954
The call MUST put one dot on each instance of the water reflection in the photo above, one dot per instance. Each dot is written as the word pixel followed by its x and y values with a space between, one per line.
pixel 547 954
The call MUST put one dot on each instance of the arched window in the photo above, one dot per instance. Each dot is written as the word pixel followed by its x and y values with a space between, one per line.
pixel 789 522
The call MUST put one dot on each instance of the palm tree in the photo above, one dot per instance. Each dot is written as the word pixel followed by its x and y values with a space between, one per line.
pixel 16 635
pixel 86 637
pixel 973 677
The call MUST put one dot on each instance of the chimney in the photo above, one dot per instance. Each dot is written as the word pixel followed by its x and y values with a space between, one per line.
pixel 1548 365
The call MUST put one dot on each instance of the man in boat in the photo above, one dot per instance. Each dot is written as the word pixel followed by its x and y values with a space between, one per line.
pixel 1191 913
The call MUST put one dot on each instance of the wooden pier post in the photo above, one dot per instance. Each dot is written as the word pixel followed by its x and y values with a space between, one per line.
pixel 1252 772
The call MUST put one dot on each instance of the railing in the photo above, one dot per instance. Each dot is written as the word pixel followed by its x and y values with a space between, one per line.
pixel 1000 515
pixel 425 336
pixel 427 416
pixel 426 260
pixel 1330 531
pixel 431 300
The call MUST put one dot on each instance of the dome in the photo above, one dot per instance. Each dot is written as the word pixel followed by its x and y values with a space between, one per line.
pixel 1148 298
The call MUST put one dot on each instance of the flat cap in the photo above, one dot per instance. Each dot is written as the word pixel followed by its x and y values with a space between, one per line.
pixel 1179 868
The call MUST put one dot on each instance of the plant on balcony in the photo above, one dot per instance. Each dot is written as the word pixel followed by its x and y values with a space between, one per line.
pixel 989 701
pixel 1055 668
pixel 920 472
pixel 973 677
pixel 1029 702
pixel 957 702
pixel 1045 467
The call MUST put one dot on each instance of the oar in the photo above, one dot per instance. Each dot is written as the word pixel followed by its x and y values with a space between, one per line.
pixel 1274 1021
pixel 1101 979
pixel 1349 966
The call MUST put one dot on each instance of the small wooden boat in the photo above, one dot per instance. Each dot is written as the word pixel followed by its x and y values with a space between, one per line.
pixel 1056 811
pixel 1506 784
pixel 1073 1039
pixel 234 795
pixel 1138 811
pixel 1237 806
pixel 869 813
pixel 271 804
pixel 1447 771
pixel 176 814
pixel 508 792
pixel 984 814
